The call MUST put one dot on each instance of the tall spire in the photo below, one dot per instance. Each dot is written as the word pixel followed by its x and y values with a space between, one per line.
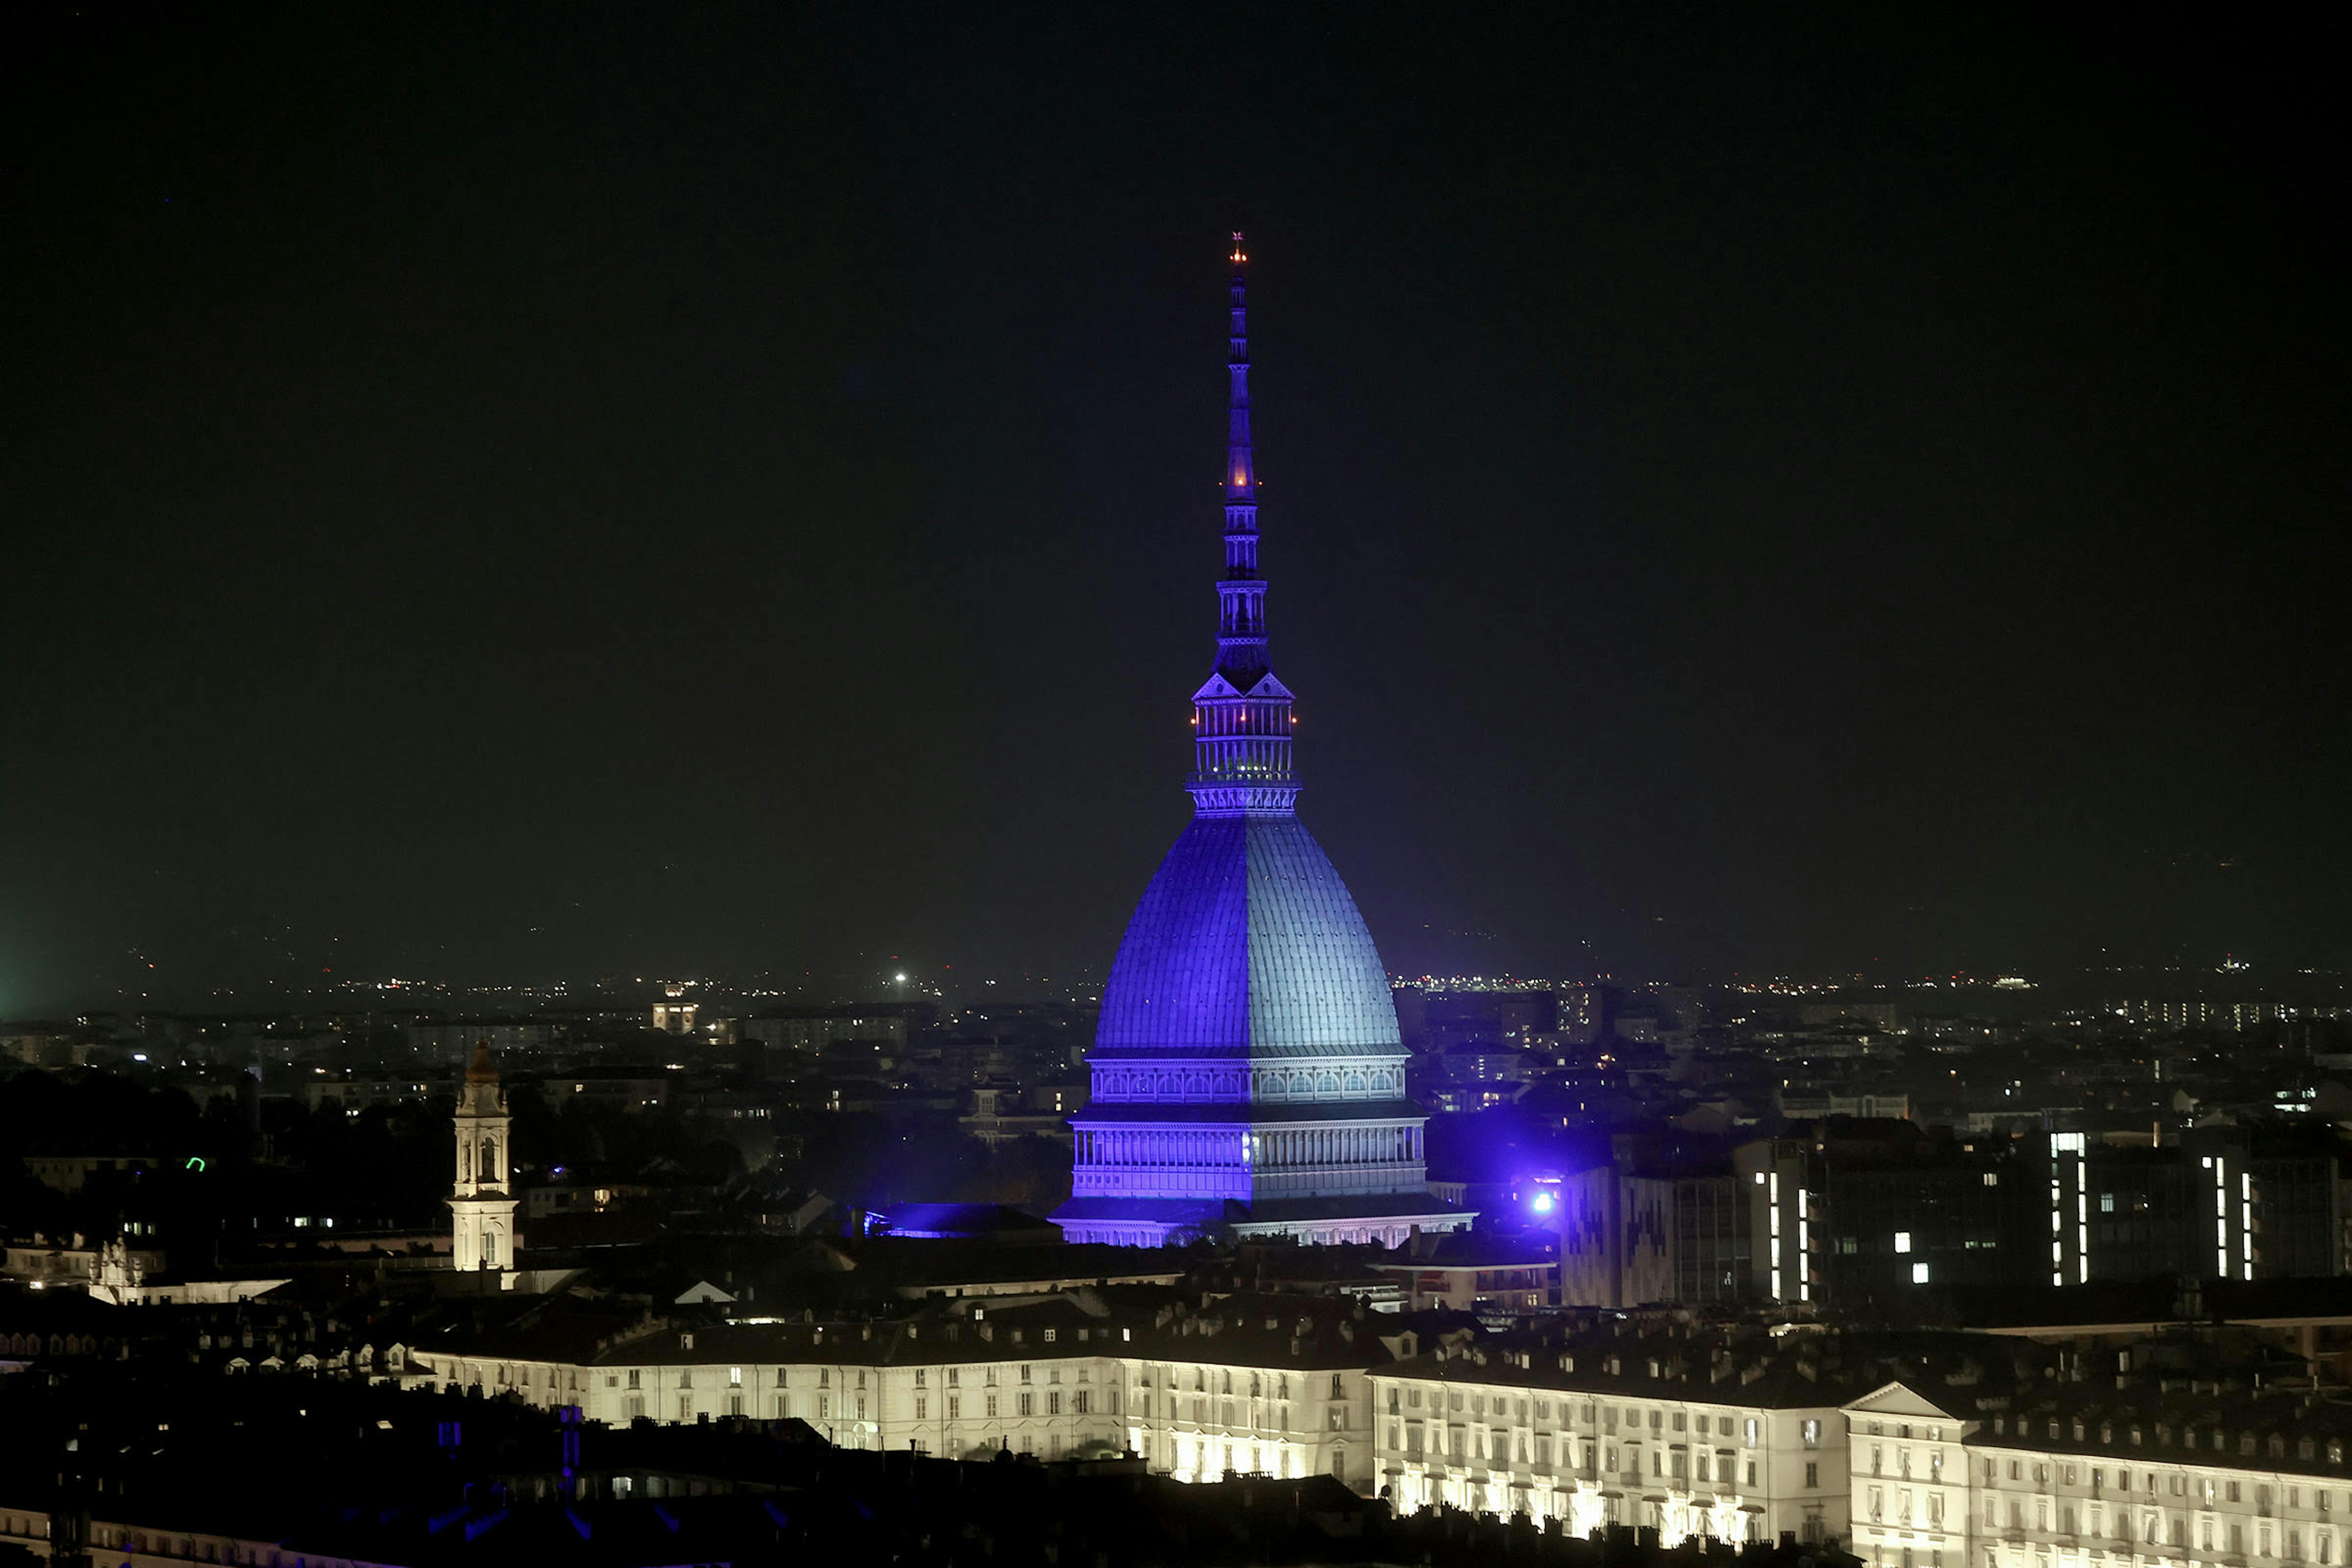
pixel 1241 718
pixel 1241 597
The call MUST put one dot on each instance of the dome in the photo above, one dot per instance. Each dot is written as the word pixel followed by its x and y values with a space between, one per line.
pixel 1247 942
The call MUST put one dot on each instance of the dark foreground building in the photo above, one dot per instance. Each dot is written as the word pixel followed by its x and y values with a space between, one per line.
pixel 299 1472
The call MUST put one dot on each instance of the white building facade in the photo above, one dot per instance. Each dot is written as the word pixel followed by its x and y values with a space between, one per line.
pixel 1230 1390
pixel 1593 1439
pixel 2171 1475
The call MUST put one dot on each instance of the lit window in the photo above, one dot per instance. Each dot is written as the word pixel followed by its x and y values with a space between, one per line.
pixel 1902 1241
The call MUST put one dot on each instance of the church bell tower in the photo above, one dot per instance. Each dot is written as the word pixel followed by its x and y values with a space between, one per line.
pixel 482 1200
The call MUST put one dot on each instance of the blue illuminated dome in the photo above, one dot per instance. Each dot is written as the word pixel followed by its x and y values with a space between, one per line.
pixel 1246 941
pixel 1247 1074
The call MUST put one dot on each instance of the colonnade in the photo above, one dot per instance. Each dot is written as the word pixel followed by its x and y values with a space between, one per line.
pixel 1286 1148
pixel 1257 758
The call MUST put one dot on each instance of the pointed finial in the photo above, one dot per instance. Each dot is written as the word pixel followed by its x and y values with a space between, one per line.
pixel 1241 718
pixel 482 1070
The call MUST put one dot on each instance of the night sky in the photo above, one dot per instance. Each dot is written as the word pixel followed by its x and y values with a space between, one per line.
pixel 513 494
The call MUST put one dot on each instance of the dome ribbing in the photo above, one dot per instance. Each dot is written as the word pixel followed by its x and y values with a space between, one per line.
pixel 1247 942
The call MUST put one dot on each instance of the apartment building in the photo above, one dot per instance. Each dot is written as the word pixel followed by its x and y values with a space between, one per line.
pixel 1255 1385
pixel 2147 1472
pixel 1686 1433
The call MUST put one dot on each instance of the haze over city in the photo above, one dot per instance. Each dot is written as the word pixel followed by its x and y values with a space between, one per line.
pixel 516 498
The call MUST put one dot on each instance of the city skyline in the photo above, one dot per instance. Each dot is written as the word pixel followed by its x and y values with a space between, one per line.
pixel 1777 525
pixel 602 608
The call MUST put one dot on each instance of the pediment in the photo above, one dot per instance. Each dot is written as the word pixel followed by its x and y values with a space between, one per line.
pixel 1900 1398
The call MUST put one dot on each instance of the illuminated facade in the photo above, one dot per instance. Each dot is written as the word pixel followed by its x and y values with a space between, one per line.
pixel 1256 1385
pixel 1688 1438
pixel 1249 1073
pixel 482 1200
pixel 2133 1473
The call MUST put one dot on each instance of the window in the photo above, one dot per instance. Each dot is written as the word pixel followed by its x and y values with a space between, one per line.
pixel 1902 1241
pixel 1812 1475
pixel 923 1408
pixel 955 1406
pixel 734 1378
pixel 1813 1433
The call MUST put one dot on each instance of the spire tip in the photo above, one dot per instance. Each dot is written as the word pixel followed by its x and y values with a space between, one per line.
pixel 1239 255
